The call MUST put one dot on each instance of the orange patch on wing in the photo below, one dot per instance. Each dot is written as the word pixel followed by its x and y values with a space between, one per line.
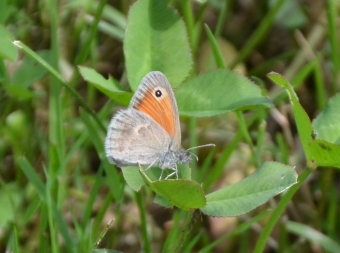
pixel 160 110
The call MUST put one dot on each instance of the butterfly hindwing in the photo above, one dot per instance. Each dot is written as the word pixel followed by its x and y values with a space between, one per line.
pixel 134 138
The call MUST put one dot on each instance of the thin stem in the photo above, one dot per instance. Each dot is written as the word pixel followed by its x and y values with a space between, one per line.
pixel 141 207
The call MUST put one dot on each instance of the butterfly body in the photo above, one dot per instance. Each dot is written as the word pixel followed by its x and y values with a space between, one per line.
pixel 148 131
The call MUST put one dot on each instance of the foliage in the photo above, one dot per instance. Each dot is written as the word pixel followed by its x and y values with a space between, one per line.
pixel 59 192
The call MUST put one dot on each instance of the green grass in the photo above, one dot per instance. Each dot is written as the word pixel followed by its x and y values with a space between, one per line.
pixel 58 192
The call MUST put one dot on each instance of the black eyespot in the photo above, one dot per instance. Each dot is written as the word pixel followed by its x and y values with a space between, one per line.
pixel 158 93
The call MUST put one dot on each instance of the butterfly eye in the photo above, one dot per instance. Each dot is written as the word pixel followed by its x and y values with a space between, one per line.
pixel 158 93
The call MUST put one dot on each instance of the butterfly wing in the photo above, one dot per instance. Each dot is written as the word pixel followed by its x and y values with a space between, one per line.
pixel 156 99
pixel 134 138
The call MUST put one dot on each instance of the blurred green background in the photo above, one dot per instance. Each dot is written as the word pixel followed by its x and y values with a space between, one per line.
pixel 57 191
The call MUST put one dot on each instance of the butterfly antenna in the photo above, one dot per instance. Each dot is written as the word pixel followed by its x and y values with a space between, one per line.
pixel 193 155
pixel 202 146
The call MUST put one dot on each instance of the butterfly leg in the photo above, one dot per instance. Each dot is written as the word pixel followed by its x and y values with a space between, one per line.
pixel 162 175
pixel 170 175
pixel 175 171
pixel 143 170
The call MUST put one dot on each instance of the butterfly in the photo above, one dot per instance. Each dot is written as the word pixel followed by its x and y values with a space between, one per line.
pixel 148 132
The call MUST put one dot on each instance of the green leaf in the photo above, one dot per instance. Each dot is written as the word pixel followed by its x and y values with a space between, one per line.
pixel 7 49
pixel 219 60
pixel 132 177
pixel 267 181
pixel 160 200
pixel 184 171
pixel 156 39
pixel 324 153
pixel 218 91
pixel 109 87
pixel 185 194
pixel 302 120
pixel 321 152
pixel 327 124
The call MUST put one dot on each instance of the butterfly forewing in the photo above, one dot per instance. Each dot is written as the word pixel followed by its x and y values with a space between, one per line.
pixel 155 98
